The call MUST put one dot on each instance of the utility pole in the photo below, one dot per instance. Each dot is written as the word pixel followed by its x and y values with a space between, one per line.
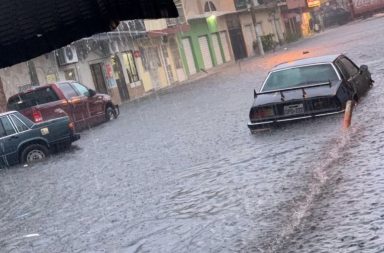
pixel 253 13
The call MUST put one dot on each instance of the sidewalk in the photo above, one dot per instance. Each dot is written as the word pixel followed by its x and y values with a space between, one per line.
pixel 193 78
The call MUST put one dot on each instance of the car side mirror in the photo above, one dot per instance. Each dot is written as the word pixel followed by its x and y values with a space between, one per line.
pixel 91 93
pixel 363 68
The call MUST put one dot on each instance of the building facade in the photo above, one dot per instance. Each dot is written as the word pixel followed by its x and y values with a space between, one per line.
pixel 147 55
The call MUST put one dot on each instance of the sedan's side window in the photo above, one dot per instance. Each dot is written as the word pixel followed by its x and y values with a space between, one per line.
pixel 81 89
pixel 2 130
pixel 21 127
pixel 350 68
pixel 7 125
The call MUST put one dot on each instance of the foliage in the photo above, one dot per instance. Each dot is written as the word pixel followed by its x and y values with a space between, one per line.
pixel 268 42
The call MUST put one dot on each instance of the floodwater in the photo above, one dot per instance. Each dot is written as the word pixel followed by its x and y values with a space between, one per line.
pixel 180 172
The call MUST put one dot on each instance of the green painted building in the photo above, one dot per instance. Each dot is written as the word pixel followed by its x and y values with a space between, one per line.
pixel 203 46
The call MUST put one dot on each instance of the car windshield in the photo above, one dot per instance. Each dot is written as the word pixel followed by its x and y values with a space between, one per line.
pixel 300 76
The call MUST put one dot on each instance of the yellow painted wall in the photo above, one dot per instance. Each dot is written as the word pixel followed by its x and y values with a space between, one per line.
pixel 266 26
pixel 162 77
pixel 144 75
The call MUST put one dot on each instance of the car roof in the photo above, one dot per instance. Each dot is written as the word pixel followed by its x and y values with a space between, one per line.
pixel 6 113
pixel 307 61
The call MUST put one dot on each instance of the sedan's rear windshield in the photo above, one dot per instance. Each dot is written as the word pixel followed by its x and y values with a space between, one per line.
pixel 300 76
pixel 32 98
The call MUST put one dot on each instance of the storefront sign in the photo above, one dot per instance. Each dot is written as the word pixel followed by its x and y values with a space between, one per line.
pixel 51 78
pixel 109 70
pixel 313 3
pixel 109 76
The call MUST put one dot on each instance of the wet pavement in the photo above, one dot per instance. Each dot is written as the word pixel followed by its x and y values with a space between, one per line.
pixel 180 172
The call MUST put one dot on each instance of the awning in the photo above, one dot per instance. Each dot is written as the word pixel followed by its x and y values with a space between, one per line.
pixel 29 28
pixel 169 31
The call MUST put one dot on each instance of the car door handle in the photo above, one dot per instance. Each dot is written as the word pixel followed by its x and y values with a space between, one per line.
pixel 13 137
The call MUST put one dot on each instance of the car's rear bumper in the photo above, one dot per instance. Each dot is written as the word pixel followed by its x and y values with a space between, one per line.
pixel 75 137
pixel 268 123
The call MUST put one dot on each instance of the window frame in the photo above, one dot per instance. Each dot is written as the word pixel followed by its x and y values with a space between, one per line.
pixel 72 87
pixel 343 68
pixel 77 91
pixel 11 116
pixel 13 126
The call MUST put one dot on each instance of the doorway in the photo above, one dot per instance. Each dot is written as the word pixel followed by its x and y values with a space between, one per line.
pixel 119 77
pixel 98 78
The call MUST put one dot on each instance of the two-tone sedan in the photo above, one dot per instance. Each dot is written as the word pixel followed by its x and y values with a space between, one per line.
pixel 23 141
pixel 308 88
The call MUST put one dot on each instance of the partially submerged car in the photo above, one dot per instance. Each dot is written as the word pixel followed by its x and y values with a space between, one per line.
pixel 307 88
pixel 23 141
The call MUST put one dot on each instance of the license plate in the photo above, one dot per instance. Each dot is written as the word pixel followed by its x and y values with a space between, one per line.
pixel 293 109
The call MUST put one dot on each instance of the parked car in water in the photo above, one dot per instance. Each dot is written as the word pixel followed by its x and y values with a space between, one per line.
pixel 308 88
pixel 82 105
pixel 22 141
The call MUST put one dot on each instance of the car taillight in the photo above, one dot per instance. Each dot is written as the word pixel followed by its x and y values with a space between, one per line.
pixel 71 126
pixel 37 117
pixel 263 112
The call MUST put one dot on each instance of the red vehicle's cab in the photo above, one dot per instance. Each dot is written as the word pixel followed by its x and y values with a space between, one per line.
pixel 84 106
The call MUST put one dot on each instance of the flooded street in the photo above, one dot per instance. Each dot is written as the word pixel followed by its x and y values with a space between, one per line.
pixel 180 172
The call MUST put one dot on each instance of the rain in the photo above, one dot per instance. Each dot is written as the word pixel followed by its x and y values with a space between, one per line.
pixel 179 171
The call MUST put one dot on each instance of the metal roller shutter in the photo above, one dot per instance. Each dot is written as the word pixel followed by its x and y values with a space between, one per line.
pixel 216 47
pixel 203 42
pixel 189 56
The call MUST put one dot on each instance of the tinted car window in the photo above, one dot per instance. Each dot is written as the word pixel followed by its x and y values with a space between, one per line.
pixel 32 98
pixel 2 130
pixel 8 128
pixel 25 120
pixel 21 127
pixel 350 68
pixel 300 76
pixel 68 90
pixel 81 89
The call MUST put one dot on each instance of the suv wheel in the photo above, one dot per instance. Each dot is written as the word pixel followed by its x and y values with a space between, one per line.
pixel 34 153
pixel 110 113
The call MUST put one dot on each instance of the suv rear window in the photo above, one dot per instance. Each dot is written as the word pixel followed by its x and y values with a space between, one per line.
pixel 32 98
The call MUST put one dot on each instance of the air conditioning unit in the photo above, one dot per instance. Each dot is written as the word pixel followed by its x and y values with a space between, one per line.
pixel 113 47
pixel 67 55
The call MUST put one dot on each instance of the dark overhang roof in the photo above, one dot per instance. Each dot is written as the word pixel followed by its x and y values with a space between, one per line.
pixel 307 61
pixel 29 28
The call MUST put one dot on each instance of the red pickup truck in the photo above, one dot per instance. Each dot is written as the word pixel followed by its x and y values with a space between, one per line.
pixel 82 105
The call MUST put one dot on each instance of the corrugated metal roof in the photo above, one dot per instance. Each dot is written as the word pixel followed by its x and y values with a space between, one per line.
pixel 29 28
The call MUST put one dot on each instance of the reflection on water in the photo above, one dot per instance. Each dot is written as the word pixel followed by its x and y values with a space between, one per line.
pixel 179 172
